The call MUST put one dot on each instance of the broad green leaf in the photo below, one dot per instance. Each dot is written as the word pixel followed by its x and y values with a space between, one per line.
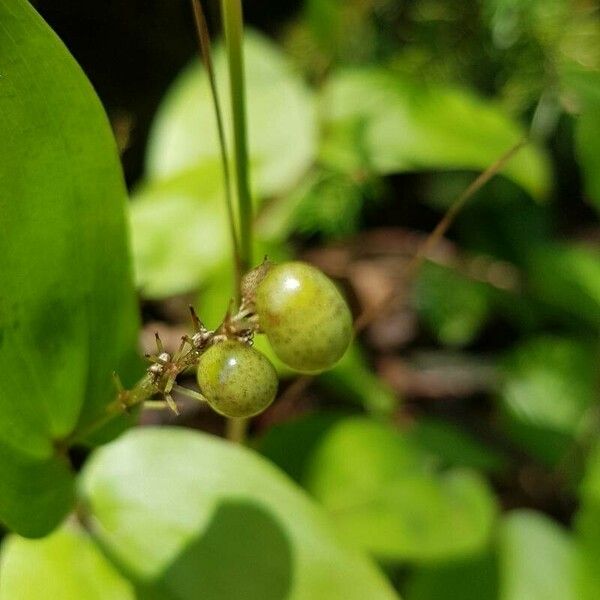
pixel 281 121
pixel 385 121
pixel 454 447
pixel 67 317
pixel 35 494
pixel 548 387
pixel 63 566
pixel 193 516
pixel 179 231
pixel 382 493
pixel 536 559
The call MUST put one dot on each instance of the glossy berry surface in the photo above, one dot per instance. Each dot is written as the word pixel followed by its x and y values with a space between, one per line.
pixel 304 316
pixel 236 380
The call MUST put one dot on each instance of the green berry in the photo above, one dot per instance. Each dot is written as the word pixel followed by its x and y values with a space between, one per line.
pixel 236 380
pixel 304 316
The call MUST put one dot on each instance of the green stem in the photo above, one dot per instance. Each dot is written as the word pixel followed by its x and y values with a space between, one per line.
pixel 233 24
pixel 206 56
pixel 234 33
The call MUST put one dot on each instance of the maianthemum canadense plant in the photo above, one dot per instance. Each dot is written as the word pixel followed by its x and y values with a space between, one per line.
pixel 94 508
pixel 65 204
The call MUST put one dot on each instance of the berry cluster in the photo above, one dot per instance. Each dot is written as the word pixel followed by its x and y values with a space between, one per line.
pixel 302 314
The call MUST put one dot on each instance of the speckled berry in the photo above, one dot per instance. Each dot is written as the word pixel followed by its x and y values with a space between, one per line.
pixel 304 316
pixel 236 380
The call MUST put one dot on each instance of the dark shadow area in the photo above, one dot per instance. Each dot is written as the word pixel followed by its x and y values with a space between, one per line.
pixel 244 554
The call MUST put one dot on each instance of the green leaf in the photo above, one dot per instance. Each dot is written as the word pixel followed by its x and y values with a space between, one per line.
pixel 383 495
pixel 281 120
pixel 179 231
pixel 549 385
pixel 63 566
pixel 536 559
pixel 68 317
pixel 387 122
pixel 35 495
pixel 533 558
pixel 454 447
pixel 190 515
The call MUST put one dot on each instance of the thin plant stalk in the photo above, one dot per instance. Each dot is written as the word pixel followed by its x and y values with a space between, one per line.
pixel 206 56
pixel 231 11
pixel 233 25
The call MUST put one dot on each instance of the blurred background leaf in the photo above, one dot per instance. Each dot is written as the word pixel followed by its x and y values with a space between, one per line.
pixel 185 513
pixel 66 565
pixel 385 497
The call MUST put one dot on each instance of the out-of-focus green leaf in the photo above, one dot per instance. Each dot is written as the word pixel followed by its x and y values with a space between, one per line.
pixel 181 240
pixel 384 497
pixel 470 579
pixel 67 312
pixel 35 494
pixel 587 524
pixel 64 566
pixel 191 515
pixel 536 559
pixel 179 231
pixel 454 447
pixel 352 380
pixel 281 121
pixel 383 121
pixel 548 387
pixel 533 558
pixel 550 382
pixel 453 306
pixel 567 279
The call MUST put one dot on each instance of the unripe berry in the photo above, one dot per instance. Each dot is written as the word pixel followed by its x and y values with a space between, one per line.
pixel 304 316
pixel 236 380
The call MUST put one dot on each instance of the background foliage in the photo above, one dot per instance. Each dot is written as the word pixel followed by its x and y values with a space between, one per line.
pixel 453 451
